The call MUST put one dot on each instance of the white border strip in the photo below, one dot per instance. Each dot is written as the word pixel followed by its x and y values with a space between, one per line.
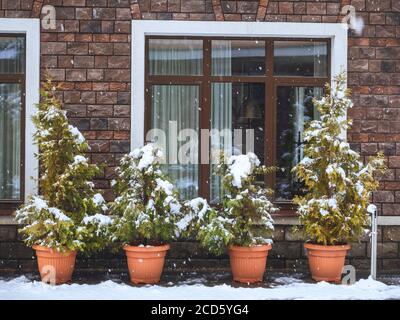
pixel 382 221
pixel 31 28
pixel 141 28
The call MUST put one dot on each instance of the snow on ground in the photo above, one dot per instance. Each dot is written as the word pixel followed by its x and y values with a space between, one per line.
pixel 287 288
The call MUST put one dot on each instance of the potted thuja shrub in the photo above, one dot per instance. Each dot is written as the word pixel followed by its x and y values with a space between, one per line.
pixel 244 207
pixel 335 210
pixel 67 215
pixel 146 210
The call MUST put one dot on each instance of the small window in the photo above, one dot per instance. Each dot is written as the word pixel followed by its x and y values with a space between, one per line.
pixel 12 55
pixel 300 58
pixel 175 57
pixel 12 69
pixel 238 57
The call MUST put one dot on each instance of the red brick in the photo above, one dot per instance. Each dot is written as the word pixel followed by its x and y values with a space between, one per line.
pixel 247 6
pixel 121 135
pixel 119 124
pixel 286 7
pixel 193 6
pixel 83 37
pixel 158 5
pixel 104 13
pixel 122 110
pixel 83 13
pixel 117 75
pixel 100 110
pixel 106 97
pixel 118 86
pixel 101 48
pixel 65 61
pixel 74 3
pixel 77 48
pixel 174 5
pixel 394 162
pixel 99 145
pixel 76 75
pixel 122 27
pixel 83 62
pixel 316 8
pixel 123 14
pixel 122 49
pixel 383 196
pixel 95 74
pixel 53 48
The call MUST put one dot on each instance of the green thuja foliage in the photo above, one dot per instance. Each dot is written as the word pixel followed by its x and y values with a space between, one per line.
pixel 66 215
pixel 335 209
pixel 147 208
pixel 245 206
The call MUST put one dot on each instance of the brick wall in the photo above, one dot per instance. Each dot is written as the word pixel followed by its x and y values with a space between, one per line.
pixel 287 254
pixel 89 57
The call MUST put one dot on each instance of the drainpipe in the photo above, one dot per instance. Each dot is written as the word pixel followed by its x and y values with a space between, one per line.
pixel 374 242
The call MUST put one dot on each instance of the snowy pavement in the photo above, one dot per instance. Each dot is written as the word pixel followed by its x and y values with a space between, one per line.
pixel 22 288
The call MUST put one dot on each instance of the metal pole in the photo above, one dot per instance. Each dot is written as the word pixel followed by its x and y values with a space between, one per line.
pixel 374 242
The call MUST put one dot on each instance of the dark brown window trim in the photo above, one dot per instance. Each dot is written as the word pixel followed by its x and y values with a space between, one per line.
pixel 8 207
pixel 204 81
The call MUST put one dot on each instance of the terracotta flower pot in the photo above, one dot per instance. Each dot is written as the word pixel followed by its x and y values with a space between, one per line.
pixel 146 264
pixel 326 262
pixel 248 263
pixel 55 266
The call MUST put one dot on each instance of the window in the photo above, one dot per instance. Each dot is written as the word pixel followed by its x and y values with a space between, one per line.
pixel 230 62
pixel 12 115
pixel 261 86
pixel 19 93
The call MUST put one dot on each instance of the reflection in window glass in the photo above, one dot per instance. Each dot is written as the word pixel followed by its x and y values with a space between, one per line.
pixel 238 57
pixel 295 108
pixel 10 139
pixel 176 108
pixel 300 58
pixel 12 55
pixel 175 57
pixel 236 106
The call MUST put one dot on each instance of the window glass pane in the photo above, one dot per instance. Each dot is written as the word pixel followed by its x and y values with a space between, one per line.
pixel 300 58
pixel 12 55
pixel 294 109
pixel 237 122
pixel 175 57
pixel 238 57
pixel 10 135
pixel 175 113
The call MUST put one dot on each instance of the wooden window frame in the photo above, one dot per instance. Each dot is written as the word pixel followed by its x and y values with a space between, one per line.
pixel 8 206
pixel 205 80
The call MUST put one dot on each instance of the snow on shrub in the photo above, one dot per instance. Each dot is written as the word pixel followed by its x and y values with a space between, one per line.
pixel 245 207
pixel 335 209
pixel 147 205
pixel 68 213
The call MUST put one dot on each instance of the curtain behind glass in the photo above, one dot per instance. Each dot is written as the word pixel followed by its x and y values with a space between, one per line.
pixel 300 58
pixel 178 105
pixel 221 124
pixel 221 111
pixel 221 58
pixel 10 129
pixel 175 56
pixel 12 55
